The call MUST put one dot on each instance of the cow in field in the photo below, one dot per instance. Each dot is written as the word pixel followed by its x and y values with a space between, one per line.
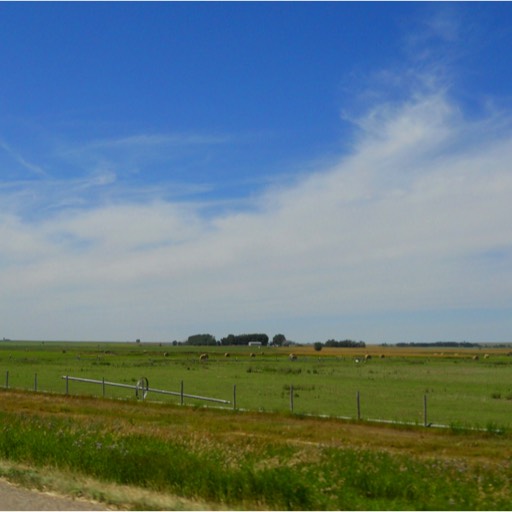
pixel 203 357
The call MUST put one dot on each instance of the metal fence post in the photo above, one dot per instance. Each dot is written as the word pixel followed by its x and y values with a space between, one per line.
pixel 425 422
pixel 234 397
pixel 181 394
pixel 291 398
pixel 358 401
pixel 103 383
pixel 35 382
pixel 67 386
pixel 7 379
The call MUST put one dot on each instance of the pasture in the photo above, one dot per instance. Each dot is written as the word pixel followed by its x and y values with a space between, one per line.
pixel 465 388
pixel 156 454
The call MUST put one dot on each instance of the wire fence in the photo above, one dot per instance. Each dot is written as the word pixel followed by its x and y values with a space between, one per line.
pixel 142 390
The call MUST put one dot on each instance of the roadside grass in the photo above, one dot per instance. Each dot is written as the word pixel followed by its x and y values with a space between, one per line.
pixel 77 486
pixel 235 460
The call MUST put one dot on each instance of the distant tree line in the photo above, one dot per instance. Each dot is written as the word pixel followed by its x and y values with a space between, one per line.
pixel 345 344
pixel 244 339
pixel 277 340
pixel 234 339
pixel 445 344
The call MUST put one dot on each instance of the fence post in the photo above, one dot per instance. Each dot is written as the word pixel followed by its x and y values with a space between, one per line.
pixel 291 398
pixel 234 397
pixel 7 379
pixel 181 394
pixel 103 387
pixel 358 401
pixel 35 382
pixel 67 386
pixel 425 422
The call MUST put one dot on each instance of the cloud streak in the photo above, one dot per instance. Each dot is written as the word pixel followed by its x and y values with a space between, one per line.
pixel 19 159
pixel 415 218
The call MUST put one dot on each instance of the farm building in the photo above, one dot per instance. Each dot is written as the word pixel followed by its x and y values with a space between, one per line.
pixel 254 343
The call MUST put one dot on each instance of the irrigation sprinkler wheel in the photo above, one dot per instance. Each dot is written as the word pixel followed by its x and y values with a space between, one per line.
pixel 142 388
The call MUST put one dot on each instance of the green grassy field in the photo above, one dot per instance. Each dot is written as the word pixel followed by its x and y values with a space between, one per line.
pixel 156 454
pixel 460 390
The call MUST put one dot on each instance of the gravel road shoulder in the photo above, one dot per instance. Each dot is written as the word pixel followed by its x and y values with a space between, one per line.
pixel 13 497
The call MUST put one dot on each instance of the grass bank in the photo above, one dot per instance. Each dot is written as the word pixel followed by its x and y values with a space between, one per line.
pixel 226 459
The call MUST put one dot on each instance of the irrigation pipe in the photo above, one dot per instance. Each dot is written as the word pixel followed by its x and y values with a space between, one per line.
pixel 144 387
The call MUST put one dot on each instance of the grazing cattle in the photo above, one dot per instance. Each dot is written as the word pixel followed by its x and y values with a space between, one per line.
pixel 226 354
pixel 253 354
pixel 475 358
pixel 486 356
pixel 367 357
pixel 203 357
pixel 292 357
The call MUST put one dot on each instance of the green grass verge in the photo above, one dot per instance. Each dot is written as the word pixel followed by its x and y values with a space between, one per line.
pixel 238 461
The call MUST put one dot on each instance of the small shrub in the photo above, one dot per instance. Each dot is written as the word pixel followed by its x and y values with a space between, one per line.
pixel 495 429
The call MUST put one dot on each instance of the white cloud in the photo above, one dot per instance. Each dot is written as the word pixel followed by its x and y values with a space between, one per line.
pixel 403 223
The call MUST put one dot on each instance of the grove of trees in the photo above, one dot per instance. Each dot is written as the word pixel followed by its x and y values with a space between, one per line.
pixel 201 339
pixel 278 340
pixel 231 339
pixel 345 343
pixel 244 339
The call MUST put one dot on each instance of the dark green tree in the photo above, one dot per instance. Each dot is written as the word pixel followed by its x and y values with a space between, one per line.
pixel 279 339
pixel 201 339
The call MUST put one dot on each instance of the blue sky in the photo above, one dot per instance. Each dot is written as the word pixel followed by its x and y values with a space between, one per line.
pixel 322 170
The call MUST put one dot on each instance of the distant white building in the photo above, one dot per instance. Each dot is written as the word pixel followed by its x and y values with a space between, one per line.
pixel 254 343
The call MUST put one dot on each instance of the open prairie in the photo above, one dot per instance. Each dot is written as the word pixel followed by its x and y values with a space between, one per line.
pixel 452 387
pixel 156 454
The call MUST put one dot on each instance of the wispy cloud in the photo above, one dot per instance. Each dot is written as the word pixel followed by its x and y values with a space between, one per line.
pixel 133 151
pixel 402 223
pixel 155 140
pixel 436 35
pixel 19 159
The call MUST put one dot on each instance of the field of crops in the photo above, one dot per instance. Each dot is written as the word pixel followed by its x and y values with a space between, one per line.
pixel 471 388
pixel 156 454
